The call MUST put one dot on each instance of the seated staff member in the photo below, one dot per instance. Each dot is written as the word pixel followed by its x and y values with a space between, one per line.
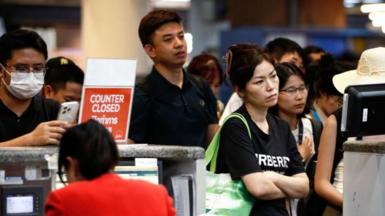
pixel 87 155
pixel 269 163
pixel 63 80
pixel 25 117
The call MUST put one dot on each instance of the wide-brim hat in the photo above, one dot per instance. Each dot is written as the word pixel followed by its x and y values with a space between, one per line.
pixel 370 70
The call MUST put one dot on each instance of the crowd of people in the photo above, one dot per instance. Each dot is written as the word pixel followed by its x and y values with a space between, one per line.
pixel 290 97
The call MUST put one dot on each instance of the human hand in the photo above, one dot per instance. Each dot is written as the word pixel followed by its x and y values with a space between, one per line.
pixel 48 132
pixel 306 148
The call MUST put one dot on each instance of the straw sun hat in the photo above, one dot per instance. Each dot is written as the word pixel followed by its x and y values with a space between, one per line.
pixel 370 70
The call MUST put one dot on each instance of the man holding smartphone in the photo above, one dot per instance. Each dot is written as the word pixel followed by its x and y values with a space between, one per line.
pixel 26 119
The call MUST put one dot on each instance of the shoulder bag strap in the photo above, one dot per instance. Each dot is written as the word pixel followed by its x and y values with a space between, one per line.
pixel 211 153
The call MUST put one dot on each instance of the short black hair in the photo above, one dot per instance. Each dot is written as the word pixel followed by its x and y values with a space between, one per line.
pixel 323 72
pixel 61 70
pixel 152 21
pixel 280 46
pixel 92 145
pixel 20 39
pixel 308 50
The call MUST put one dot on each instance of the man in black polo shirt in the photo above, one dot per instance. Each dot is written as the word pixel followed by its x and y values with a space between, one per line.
pixel 170 107
pixel 24 115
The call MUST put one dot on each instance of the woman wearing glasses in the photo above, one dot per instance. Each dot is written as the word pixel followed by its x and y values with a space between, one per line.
pixel 291 107
pixel 268 162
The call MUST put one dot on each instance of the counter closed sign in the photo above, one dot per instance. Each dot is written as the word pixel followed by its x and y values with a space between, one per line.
pixel 110 107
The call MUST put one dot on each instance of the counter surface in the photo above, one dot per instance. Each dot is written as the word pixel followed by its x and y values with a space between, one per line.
pixel 364 146
pixel 38 154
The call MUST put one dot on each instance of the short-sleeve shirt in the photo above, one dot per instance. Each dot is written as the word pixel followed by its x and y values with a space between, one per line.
pixel 163 113
pixel 13 126
pixel 276 151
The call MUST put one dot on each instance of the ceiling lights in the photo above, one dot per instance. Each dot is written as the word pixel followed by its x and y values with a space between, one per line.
pixel 376 14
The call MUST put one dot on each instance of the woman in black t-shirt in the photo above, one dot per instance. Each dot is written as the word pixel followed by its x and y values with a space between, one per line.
pixel 269 163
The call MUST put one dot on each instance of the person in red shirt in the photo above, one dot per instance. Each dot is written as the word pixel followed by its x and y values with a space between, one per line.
pixel 87 156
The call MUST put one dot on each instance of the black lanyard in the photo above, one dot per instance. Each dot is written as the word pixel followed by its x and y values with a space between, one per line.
pixel 300 131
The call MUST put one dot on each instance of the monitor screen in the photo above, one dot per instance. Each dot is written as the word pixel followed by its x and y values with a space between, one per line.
pixel 17 204
pixel 362 111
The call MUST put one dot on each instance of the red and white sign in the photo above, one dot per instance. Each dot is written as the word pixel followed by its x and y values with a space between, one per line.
pixel 108 93
pixel 110 107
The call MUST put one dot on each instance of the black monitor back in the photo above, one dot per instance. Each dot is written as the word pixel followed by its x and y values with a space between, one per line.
pixel 363 111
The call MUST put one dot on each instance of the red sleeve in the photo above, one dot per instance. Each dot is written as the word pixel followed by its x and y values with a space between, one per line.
pixel 169 202
pixel 53 206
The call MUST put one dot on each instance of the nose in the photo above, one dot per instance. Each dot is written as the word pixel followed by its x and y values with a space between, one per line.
pixel 269 85
pixel 178 42
pixel 298 94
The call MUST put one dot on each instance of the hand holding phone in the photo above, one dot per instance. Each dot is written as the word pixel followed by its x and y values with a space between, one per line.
pixel 69 111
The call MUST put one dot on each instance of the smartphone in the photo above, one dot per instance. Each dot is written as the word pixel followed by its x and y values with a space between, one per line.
pixel 69 111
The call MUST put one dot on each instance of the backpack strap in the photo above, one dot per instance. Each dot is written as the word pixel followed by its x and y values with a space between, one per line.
pixel 317 130
pixel 211 153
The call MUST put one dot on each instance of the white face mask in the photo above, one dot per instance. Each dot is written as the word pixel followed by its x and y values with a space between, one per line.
pixel 25 85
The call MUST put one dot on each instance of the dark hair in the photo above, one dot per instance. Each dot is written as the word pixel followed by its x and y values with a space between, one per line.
pixel 280 46
pixel 152 21
pixel 20 39
pixel 195 67
pixel 284 72
pixel 241 62
pixel 61 70
pixel 323 72
pixel 92 145
pixel 309 50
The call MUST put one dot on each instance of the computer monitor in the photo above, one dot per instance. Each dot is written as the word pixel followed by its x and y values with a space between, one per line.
pixel 21 200
pixel 363 111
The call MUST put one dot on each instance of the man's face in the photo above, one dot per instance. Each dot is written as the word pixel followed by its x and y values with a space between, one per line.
pixel 168 46
pixel 72 91
pixel 20 58
pixel 292 57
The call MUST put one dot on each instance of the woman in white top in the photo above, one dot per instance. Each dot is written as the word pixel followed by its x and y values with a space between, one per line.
pixel 291 106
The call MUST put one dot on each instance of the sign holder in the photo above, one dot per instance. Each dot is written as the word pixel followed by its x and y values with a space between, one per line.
pixel 108 93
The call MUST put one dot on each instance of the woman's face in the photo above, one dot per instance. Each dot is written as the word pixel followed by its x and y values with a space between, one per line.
pixel 292 97
pixel 261 91
pixel 329 103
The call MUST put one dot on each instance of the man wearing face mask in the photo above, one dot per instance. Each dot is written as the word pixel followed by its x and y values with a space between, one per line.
pixel 26 119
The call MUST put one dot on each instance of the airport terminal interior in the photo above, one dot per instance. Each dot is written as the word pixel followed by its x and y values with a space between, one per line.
pixel 327 72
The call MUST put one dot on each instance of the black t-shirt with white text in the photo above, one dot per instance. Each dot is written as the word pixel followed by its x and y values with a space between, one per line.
pixel 276 151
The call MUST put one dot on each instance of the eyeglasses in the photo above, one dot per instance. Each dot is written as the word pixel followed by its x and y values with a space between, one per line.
pixel 26 68
pixel 293 90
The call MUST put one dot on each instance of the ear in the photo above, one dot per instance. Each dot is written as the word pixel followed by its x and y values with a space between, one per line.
pixel 150 50
pixel 240 92
pixel 73 170
pixel 48 91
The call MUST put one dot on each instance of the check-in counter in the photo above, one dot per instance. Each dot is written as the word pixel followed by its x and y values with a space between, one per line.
pixel 26 175
pixel 364 178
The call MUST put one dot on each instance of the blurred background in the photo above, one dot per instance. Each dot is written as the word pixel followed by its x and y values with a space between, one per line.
pixel 80 29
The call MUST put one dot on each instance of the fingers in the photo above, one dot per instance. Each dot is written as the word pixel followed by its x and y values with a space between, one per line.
pixel 58 123
pixel 49 132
